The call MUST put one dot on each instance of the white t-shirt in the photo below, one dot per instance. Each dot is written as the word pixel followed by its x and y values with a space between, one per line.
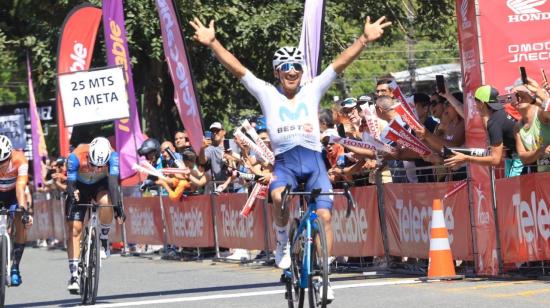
pixel 291 122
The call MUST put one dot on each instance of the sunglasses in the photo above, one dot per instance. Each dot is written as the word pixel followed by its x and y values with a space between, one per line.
pixel 215 130
pixel 326 143
pixel 286 67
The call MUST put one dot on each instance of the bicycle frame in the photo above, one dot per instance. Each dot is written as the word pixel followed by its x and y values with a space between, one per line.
pixel 91 224
pixel 306 222
pixel 4 231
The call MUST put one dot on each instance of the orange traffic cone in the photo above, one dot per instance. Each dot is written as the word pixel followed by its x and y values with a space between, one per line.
pixel 441 265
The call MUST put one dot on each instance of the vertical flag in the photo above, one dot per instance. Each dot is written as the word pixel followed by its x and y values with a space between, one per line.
pixel 311 40
pixel 127 131
pixel 74 53
pixel 39 150
pixel 178 65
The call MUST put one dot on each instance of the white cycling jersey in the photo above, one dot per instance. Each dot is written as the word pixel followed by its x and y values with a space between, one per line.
pixel 291 122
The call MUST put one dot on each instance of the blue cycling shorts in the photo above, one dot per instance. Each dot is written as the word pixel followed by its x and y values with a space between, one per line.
pixel 299 165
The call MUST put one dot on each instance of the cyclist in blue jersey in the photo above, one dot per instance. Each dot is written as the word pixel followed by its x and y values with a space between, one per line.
pixel 92 174
pixel 292 111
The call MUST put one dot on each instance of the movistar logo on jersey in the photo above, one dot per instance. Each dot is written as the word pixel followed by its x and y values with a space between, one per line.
pixel 286 114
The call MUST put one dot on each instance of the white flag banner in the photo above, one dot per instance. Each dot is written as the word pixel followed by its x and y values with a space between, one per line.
pixel 94 96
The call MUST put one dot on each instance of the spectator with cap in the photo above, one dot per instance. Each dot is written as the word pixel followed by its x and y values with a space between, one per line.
pixel 500 127
pixel 533 131
pixel 211 153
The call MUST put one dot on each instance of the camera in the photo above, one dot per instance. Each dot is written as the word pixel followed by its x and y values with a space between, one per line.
pixel 507 98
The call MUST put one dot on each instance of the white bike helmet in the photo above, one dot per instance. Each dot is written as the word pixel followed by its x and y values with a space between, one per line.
pixel 99 152
pixel 5 148
pixel 287 54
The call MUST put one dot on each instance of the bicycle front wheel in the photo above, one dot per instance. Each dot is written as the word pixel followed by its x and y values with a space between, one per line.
pixel 295 294
pixel 3 269
pixel 95 259
pixel 318 279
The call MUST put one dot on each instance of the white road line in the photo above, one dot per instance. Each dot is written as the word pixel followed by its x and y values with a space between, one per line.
pixel 248 294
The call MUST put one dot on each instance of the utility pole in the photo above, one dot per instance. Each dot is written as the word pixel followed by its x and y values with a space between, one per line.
pixel 411 42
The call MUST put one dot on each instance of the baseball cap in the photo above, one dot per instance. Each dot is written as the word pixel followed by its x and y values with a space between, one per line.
pixel 488 95
pixel 365 99
pixel 329 132
pixel 349 102
pixel 216 125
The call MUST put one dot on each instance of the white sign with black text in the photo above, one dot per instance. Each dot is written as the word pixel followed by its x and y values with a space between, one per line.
pixel 94 96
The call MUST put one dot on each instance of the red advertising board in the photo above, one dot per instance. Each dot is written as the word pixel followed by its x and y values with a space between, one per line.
pixel 143 220
pixel 476 135
pixel 234 230
pixel 522 204
pixel 408 209
pixel 189 222
pixel 514 34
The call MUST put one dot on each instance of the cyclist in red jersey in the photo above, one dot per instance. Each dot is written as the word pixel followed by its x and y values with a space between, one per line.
pixel 13 182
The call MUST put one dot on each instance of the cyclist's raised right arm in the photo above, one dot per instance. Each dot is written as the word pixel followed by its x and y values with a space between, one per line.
pixel 207 37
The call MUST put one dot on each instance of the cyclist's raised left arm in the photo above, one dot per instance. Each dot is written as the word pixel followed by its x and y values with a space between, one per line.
pixel 207 37
pixel 371 32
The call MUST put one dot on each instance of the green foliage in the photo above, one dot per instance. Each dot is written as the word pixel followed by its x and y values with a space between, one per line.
pixel 252 30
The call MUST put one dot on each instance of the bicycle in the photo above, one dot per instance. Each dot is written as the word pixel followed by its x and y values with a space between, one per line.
pixel 308 262
pixel 6 227
pixel 90 261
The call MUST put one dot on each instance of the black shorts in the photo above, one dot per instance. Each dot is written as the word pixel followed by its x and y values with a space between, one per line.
pixel 87 193
pixel 7 199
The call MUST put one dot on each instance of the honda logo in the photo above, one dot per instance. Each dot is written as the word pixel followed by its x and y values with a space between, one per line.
pixel 526 10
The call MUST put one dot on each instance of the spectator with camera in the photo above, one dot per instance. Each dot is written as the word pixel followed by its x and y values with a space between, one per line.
pixel 212 153
pixel 500 127
pixel 533 130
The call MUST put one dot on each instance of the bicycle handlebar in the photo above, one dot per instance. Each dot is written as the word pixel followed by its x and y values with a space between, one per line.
pixel 93 205
pixel 317 192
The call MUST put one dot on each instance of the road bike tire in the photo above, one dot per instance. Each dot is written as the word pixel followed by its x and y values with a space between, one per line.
pixel 318 265
pixel 3 269
pixel 94 267
pixel 83 268
pixel 295 294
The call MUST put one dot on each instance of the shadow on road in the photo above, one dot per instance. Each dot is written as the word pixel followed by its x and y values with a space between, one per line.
pixel 106 299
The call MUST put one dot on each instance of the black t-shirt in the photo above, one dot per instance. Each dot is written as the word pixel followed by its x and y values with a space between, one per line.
pixel 501 130
pixel 430 124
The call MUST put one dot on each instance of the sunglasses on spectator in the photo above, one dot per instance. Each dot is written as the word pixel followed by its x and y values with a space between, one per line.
pixel 286 67
pixel 213 130
pixel 326 143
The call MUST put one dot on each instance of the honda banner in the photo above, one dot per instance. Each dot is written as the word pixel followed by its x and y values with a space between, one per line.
pixel 408 209
pixel 180 71
pixel 76 46
pixel 127 131
pixel 514 33
pixel 189 222
pixel 522 204
pixel 476 136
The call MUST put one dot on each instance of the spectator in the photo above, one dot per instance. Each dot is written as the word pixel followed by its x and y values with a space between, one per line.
pixel 383 88
pixel 182 142
pixel 150 149
pixel 211 154
pixel 422 106
pixel 533 131
pixel 385 109
pixel 165 160
pixel 437 105
pixel 197 176
pixel 326 120
pixel 500 126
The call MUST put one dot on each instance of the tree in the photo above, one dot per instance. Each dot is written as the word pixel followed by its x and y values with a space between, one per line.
pixel 252 30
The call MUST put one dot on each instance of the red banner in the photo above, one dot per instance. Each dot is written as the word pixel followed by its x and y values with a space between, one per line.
pixel 74 53
pixel 522 204
pixel 236 231
pixel 42 227
pixel 476 136
pixel 189 223
pixel 408 209
pixel 143 220
pixel 360 234
pixel 514 34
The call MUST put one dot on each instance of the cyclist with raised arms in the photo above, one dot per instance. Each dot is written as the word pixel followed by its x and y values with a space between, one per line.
pixel 292 112
pixel 14 169
pixel 92 174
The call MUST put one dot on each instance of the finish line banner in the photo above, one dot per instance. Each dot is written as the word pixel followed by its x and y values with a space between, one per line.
pixel 94 96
